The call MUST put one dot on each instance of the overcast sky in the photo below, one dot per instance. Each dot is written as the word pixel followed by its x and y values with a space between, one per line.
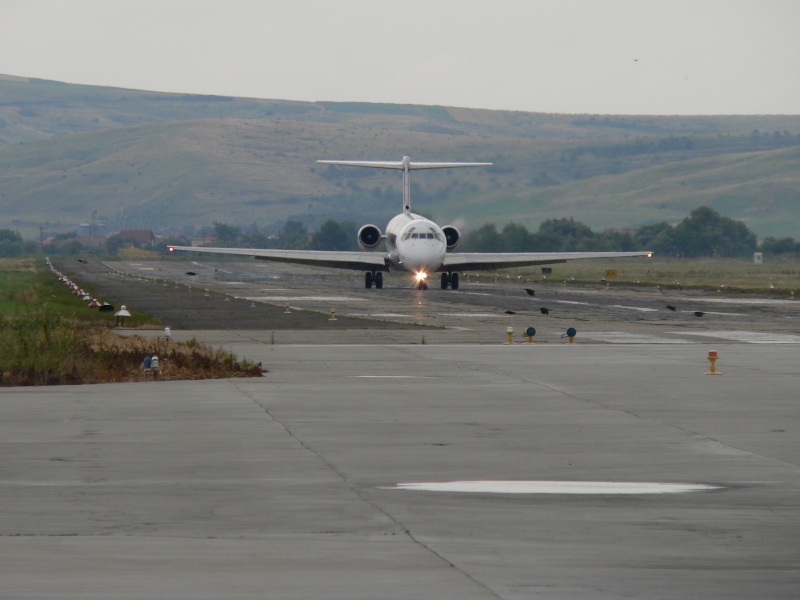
pixel 556 56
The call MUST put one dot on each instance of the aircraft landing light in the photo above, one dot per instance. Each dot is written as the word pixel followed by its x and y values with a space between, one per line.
pixel 555 487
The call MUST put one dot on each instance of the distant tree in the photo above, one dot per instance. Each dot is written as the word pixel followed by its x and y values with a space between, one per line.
pixel 71 248
pixel 333 236
pixel 9 235
pixel 572 233
pixel 484 239
pixel 257 239
pixel 226 233
pixel 785 245
pixel 705 233
pixel 113 244
pixel 612 241
pixel 12 244
pixel 547 242
pixel 293 236
pixel 658 237
pixel 517 238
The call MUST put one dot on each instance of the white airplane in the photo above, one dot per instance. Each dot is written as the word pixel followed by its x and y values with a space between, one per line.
pixel 413 243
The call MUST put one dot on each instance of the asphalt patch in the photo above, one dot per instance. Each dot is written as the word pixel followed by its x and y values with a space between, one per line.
pixel 180 308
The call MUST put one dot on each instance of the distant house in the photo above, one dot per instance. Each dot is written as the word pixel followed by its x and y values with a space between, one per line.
pixel 137 238
pixel 181 240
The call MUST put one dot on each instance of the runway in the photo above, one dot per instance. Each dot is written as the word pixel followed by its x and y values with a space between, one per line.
pixel 258 294
pixel 334 475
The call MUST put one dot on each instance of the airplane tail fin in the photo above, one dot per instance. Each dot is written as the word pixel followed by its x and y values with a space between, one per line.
pixel 406 165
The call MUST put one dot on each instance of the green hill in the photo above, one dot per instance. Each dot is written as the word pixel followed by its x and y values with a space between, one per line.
pixel 164 161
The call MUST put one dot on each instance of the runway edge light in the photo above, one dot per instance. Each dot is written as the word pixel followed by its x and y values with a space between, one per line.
pixel 712 358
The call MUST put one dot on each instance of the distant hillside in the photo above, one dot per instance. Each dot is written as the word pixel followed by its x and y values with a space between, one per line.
pixel 166 161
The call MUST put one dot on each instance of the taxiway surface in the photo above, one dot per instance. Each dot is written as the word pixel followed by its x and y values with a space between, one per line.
pixel 298 484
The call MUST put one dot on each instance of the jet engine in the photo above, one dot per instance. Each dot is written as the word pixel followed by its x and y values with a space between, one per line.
pixel 369 236
pixel 452 236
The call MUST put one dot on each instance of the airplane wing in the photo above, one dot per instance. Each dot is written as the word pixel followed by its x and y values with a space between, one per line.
pixel 357 261
pixel 463 261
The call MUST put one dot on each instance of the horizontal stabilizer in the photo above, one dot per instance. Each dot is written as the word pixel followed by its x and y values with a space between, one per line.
pixel 402 164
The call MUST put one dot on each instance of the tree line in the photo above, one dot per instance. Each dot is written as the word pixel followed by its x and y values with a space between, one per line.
pixel 704 233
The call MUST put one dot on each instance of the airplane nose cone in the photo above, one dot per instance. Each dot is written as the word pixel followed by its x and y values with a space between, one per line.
pixel 423 255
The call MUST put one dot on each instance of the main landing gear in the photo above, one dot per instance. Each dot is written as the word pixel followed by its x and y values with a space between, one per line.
pixel 375 277
pixel 450 280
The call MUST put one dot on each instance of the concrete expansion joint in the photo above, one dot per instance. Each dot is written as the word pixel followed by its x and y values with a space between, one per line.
pixel 361 495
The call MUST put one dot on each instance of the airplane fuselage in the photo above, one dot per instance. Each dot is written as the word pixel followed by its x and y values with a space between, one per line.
pixel 415 244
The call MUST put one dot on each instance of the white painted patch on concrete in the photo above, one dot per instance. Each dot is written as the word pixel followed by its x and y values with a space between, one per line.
pixel 764 301
pixel 750 337
pixel 381 315
pixel 712 312
pixel 639 308
pixel 621 337
pixel 391 377
pixel 555 487
pixel 573 302
pixel 304 299
pixel 479 315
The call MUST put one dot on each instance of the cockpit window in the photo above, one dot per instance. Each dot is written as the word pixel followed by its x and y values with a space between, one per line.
pixel 422 236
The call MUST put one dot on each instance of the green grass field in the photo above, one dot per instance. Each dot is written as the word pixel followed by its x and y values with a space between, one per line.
pixel 735 275
pixel 51 337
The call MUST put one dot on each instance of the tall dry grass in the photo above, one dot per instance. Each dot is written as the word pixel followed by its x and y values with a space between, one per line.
pixel 41 348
